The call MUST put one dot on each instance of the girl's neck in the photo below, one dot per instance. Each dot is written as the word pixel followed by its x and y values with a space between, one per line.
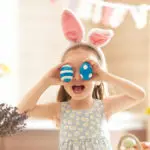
pixel 82 104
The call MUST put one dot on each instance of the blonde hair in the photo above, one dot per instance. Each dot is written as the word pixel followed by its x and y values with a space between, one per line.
pixel 101 90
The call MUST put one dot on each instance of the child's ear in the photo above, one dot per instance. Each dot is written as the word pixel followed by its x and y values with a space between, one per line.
pixel 72 27
pixel 100 37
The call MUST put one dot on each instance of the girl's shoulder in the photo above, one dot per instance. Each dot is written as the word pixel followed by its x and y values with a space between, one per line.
pixel 98 101
pixel 60 105
pixel 100 104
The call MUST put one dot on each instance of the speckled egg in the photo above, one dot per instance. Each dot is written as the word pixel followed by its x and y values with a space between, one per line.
pixel 86 71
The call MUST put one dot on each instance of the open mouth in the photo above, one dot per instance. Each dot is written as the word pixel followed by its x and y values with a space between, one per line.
pixel 78 88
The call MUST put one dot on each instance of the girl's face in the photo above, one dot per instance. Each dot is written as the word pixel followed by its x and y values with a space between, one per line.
pixel 79 89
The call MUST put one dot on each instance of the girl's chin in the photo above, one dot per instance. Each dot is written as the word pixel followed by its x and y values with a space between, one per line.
pixel 79 96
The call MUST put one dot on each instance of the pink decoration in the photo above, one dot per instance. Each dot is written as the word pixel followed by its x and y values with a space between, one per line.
pixel 74 31
pixel 72 27
pixel 107 13
pixel 100 37
pixel 52 1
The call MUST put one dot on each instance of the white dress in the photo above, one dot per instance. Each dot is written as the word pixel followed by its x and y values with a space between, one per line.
pixel 84 129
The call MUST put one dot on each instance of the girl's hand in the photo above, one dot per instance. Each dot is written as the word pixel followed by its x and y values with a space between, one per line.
pixel 99 73
pixel 53 76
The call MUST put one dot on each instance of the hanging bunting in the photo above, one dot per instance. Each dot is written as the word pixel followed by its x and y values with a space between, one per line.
pixel 85 10
pixel 97 13
pixel 139 15
pixel 107 13
pixel 117 17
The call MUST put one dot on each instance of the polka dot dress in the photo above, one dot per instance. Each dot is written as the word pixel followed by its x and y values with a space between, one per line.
pixel 84 129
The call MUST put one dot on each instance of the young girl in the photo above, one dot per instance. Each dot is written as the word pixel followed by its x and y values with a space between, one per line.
pixel 83 106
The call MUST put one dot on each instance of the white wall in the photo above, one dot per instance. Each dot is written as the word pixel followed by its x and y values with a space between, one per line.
pixel 41 42
pixel 9 50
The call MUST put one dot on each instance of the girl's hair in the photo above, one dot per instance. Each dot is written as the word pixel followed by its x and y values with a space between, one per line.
pixel 101 90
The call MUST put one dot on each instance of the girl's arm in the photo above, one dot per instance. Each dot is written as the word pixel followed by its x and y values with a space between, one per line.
pixel 29 102
pixel 30 99
pixel 132 94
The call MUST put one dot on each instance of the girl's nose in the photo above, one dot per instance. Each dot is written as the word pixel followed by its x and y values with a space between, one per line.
pixel 77 76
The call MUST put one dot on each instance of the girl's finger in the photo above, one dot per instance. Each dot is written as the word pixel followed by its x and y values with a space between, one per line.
pixel 95 66
pixel 87 60
pixel 92 62
pixel 95 77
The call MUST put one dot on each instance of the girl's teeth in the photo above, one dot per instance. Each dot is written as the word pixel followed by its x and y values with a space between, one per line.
pixel 78 89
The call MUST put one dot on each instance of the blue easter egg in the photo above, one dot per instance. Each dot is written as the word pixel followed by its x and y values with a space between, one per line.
pixel 66 73
pixel 86 71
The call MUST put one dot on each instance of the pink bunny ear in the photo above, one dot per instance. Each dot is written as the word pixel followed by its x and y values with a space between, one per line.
pixel 72 27
pixel 100 37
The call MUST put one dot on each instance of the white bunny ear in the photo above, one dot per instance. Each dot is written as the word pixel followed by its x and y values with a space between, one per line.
pixel 100 37
pixel 72 27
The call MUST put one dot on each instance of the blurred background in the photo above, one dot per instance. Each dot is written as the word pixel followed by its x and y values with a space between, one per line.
pixel 31 42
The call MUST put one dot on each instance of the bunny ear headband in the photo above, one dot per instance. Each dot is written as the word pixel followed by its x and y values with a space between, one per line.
pixel 74 31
